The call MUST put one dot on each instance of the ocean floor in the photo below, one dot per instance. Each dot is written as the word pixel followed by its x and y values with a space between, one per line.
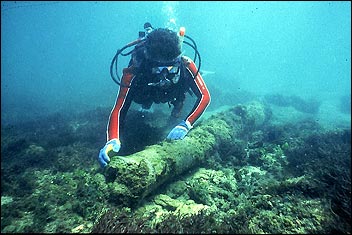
pixel 280 170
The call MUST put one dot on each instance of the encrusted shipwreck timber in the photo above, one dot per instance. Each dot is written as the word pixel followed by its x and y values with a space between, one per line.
pixel 133 177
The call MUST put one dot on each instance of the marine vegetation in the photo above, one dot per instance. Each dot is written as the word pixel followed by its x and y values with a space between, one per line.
pixel 241 170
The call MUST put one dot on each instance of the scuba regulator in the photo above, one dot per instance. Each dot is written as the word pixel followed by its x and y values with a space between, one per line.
pixel 141 39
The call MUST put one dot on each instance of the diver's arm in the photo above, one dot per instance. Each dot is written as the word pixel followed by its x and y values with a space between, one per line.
pixel 122 104
pixel 200 90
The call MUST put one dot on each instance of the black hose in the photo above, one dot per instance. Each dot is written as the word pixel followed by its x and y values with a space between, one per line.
pixel 114 60
pixel 197 53
pixel 195 46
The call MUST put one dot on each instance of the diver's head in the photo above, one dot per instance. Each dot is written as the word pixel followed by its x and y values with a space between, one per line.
pixel 162 46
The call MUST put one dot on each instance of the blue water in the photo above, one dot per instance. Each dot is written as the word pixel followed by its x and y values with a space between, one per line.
pixel 55 56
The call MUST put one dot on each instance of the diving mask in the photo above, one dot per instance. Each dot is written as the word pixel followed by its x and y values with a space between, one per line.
pixel 165 70
pixel 166 74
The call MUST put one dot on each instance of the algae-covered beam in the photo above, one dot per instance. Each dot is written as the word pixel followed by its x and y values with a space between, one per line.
pixel 133 177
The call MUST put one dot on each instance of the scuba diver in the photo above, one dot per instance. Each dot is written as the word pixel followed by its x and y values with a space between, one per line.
pixel 157 73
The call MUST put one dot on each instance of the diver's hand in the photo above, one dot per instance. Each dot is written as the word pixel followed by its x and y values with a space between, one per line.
pixel 180 131
pixel 111 145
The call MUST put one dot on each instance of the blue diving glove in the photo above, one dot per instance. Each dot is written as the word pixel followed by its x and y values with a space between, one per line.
pixel 111 145
pixel 180 131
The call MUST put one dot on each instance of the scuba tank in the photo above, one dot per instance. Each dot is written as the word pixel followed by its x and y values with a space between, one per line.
pixel 139 41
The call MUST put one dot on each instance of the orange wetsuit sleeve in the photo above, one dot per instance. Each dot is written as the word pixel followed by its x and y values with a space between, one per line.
pixel 121 106
pixel 199 88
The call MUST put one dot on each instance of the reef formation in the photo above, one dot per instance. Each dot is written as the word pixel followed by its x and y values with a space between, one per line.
pixel 238 171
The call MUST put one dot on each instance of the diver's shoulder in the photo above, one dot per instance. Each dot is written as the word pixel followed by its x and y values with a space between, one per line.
pixel 186 60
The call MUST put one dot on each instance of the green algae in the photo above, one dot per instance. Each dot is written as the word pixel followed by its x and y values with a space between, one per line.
pixel 224 177
pixel 142 172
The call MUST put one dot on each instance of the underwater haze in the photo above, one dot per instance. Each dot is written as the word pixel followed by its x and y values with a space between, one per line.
pixel 271 154
pixel 55 56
